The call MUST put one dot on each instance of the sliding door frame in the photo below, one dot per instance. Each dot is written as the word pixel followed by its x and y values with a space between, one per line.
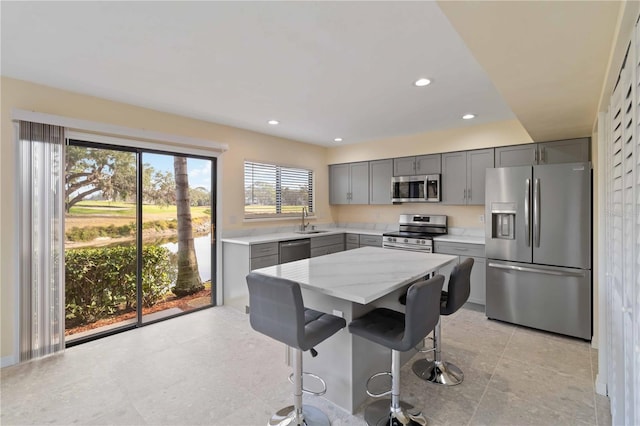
pixel 74 141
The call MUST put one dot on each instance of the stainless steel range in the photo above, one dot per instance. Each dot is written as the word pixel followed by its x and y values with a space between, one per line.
pixel 416 232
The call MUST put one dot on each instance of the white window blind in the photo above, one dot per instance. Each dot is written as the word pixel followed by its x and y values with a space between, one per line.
pixel 271 190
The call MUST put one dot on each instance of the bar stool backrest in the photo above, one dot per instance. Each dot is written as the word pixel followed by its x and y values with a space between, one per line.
pixel 422 312
pixel 459 287
pixel 276 308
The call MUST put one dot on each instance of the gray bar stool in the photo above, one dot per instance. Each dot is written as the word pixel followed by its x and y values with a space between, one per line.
pixel 400 332
pixel 438 371
pixel 276 310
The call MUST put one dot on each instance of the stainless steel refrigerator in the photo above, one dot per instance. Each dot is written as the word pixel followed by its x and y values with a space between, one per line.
pixel 538 247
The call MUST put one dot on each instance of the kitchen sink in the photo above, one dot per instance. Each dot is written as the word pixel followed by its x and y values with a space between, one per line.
pixel 312 231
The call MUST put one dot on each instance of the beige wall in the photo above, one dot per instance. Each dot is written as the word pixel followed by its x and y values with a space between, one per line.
pixel 242 145
pixel 469 137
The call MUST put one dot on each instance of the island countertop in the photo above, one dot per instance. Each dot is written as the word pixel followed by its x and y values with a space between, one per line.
pixel 360 275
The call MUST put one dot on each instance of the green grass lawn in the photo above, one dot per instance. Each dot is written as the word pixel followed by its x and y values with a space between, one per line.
pixel 107 208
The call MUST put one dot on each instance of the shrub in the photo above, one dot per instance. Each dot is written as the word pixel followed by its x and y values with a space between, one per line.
pixel 101 281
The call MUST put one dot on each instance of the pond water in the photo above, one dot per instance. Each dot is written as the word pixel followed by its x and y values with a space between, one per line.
pixel 202 245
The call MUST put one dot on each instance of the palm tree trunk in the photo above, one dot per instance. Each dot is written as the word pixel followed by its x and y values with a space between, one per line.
pixel 188 280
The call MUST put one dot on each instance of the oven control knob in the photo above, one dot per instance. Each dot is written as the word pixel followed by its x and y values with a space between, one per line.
pixel 421 241
pixel 406 241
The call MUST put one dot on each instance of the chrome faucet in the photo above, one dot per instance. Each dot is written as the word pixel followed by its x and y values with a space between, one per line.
pixel 304 226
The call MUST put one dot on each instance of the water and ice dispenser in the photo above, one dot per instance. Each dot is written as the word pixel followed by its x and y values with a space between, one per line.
pixel 503 221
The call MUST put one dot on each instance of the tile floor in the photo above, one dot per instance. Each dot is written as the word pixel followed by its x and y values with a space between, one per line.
pixel 210 367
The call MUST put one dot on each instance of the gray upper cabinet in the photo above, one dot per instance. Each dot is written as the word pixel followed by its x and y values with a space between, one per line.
pixel 420 165
pixel 380 173
pixel 349 183
pixel 405 166
pixel 564 151
pixel 339 183
pixel 428 164
pixel 478 161
pixel 463 176
pixel 454 178
pixel 519 155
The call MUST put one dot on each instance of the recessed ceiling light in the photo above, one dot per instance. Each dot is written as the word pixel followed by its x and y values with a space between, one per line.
pixel 337 140
pixel 468 116
pixel 421 82
pixel 273 122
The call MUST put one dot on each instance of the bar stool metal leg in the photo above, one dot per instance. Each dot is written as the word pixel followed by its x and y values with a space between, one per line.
pixel 438 371
pixel 394 412
pixel 298 414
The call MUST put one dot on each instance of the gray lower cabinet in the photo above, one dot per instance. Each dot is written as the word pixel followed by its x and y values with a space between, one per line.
pixel 478 278
pixel 239 259
pixel 263 255
pixel 370 240
pixel 354 241
pixel 349 183
pixel 327 244
pixel 380 174
pixel 463 176
pixel 553 152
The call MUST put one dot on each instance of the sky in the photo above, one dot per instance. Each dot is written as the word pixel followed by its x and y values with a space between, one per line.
pixel 199 170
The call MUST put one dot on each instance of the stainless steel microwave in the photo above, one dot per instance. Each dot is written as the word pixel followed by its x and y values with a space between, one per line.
pixel 416 189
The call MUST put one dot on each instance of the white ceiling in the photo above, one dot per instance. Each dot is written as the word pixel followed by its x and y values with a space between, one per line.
pixel 324 69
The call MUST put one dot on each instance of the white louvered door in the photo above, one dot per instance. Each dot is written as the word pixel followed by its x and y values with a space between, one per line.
pixel 622 222
pixel 614 248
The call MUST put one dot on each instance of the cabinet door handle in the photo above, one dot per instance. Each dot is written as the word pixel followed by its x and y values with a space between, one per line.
pixel 417 165
pixel 535 156
pixel 464 196
pixel 469 193
pixel 543 155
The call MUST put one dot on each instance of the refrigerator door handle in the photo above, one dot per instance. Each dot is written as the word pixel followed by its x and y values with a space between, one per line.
pixel 527 224
pixel 535 270
pixel 536 213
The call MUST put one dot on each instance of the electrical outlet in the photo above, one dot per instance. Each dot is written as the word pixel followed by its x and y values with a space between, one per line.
pixel 481 218
pixel 338 313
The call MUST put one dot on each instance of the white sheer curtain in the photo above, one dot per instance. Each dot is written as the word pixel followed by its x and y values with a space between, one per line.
pixel 42 315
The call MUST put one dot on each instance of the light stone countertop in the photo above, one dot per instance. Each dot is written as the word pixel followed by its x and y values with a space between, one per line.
pixel 286 236
pixel 361 275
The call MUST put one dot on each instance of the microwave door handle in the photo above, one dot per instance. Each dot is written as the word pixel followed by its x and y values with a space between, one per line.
pixel 426 188
pixel 527 224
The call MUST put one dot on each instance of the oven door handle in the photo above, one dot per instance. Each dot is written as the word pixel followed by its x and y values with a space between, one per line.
pixel 426 249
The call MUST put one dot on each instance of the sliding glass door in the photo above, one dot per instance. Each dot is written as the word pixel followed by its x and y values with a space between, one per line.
pixel 139 237
pixel 176 222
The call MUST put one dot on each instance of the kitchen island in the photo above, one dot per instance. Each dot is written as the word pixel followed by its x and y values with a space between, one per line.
pixel 350 284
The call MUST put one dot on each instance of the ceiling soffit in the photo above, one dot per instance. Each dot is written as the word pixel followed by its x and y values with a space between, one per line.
pixel 548 59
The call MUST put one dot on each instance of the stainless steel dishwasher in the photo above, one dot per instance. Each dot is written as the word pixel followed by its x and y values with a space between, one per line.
pixel 294 250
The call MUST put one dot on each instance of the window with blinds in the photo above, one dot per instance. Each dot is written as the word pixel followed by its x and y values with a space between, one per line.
pixel 271 190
